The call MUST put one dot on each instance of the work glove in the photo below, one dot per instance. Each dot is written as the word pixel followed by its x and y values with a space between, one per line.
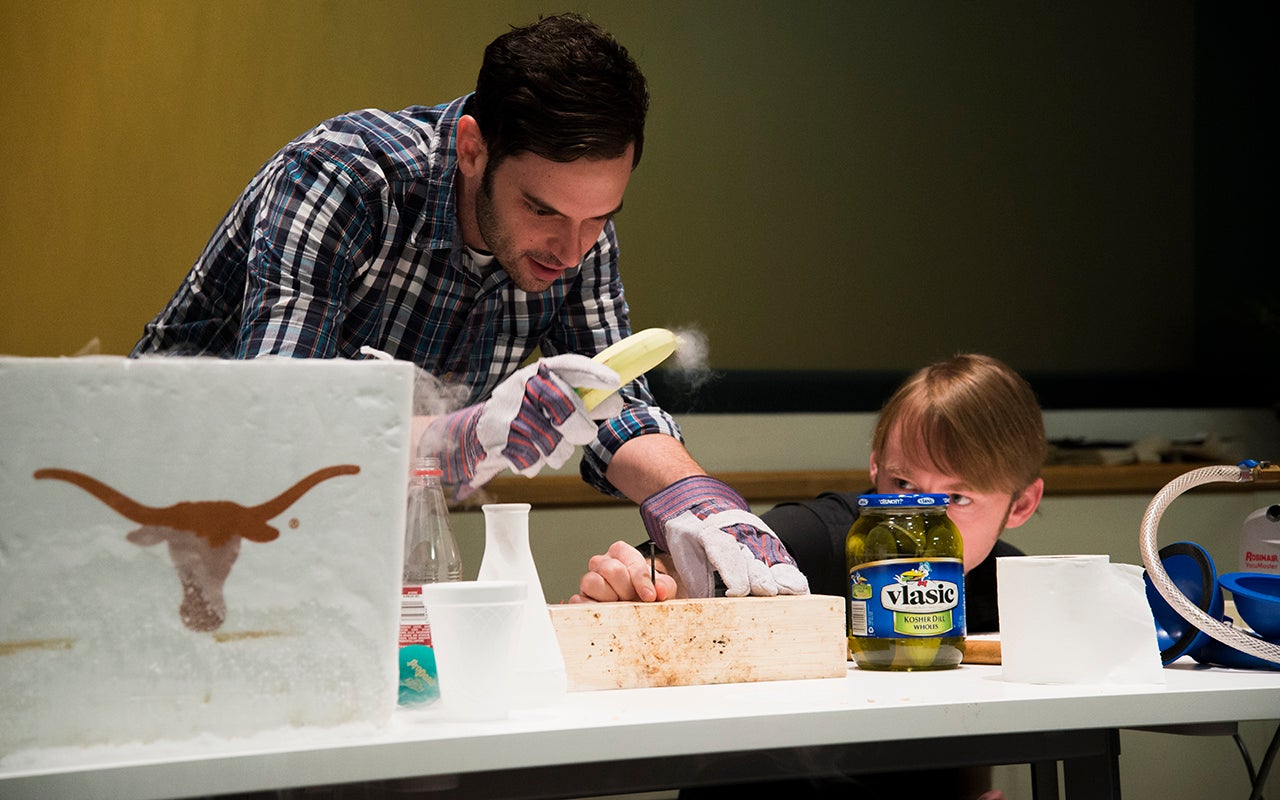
pixel 707 528
pixel 533 418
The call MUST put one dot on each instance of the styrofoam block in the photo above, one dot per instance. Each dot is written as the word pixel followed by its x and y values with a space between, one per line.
pixel 110 627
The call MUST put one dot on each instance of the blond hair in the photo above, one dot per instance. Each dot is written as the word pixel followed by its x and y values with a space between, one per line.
pixel 978 420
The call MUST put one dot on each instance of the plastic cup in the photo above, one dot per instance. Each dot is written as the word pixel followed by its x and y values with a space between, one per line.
pixel 474 629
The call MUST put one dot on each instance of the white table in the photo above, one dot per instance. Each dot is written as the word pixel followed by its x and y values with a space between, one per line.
pixel 638 740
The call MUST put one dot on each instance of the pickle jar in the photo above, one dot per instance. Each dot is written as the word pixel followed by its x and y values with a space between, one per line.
pixel 905 596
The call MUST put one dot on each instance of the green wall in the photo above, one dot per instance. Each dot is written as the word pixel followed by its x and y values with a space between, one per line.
pixel 826 185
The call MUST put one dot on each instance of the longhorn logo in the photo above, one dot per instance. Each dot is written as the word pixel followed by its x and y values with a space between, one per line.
pixel 203 535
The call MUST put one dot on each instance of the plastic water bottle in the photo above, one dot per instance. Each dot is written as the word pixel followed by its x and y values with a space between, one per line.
pixel 430 555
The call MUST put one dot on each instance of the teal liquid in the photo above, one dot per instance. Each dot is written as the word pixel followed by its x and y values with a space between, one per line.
pixel 418 683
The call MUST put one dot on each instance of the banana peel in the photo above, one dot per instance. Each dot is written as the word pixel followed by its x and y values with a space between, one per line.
pixel 631 358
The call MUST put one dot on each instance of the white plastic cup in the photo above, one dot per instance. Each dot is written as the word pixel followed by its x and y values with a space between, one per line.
pixel 474 629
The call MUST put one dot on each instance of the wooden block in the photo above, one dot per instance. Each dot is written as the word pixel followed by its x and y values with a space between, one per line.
pixel 982 649
pixel 688 642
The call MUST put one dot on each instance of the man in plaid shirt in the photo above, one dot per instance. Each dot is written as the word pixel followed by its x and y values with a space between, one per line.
pixel 464 237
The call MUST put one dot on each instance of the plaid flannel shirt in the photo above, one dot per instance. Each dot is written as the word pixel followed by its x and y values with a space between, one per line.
pixel 348 236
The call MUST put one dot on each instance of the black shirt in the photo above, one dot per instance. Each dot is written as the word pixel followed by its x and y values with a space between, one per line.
pixel 814 533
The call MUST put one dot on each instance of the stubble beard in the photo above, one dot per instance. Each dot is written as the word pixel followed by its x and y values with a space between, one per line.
pixel 499 240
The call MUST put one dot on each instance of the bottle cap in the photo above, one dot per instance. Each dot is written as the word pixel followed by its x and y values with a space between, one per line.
pixel 903 500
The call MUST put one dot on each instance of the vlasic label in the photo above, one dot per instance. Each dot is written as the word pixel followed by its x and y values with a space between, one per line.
pixel 907 598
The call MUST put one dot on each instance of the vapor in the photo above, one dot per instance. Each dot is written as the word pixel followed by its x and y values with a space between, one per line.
pixel 689 368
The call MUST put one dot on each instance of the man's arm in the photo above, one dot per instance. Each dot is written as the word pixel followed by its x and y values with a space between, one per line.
pixel 638 453
pixel 534 418
pixel 645 465
pixel 704 524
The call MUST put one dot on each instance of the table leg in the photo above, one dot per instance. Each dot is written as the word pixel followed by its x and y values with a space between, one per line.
pixel 1096 777
pixel 1044 780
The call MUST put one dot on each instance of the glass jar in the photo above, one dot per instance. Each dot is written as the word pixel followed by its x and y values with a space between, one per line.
pixel 905 600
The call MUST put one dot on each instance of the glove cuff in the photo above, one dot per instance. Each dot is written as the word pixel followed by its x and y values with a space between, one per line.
pixel 453 439
pixel 702 495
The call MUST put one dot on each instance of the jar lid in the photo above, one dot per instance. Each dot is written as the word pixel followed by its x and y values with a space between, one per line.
pixel 903 500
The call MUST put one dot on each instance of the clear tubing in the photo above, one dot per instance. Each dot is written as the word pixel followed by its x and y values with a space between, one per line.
pixel 1222 631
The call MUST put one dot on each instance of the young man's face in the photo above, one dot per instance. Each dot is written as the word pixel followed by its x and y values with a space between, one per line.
pixel 540 217
pixel 980 516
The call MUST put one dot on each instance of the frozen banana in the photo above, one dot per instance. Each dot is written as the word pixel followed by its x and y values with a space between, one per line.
pixel 631 358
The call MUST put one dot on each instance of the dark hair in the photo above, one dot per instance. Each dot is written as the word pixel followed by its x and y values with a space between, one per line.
pixel 562 88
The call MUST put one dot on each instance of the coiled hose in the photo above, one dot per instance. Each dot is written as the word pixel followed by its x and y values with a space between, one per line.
pixel 1218 629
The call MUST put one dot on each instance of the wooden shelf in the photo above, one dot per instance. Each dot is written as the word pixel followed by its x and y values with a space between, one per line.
pixel 568 491
pixel 1128 479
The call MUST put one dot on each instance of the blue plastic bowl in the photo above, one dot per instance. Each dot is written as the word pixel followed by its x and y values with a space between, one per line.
pixel 1257 598
pixel 1218 654
pixel 1191 569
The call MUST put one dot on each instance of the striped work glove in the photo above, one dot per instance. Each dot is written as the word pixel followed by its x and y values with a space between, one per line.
pixel 706 527
pixel 533 418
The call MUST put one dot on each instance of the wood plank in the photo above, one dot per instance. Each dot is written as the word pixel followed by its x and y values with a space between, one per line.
pixel 691 642
pixel 982 649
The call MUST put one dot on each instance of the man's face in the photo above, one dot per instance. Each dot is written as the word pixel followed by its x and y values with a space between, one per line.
pixel 980 516
pixel 540 217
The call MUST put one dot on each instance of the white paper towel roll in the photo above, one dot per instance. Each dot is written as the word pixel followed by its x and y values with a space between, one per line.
pixel 1075 619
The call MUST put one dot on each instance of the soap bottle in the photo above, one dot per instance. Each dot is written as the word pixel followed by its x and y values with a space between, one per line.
pixel 1260 541
pixel 430 555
